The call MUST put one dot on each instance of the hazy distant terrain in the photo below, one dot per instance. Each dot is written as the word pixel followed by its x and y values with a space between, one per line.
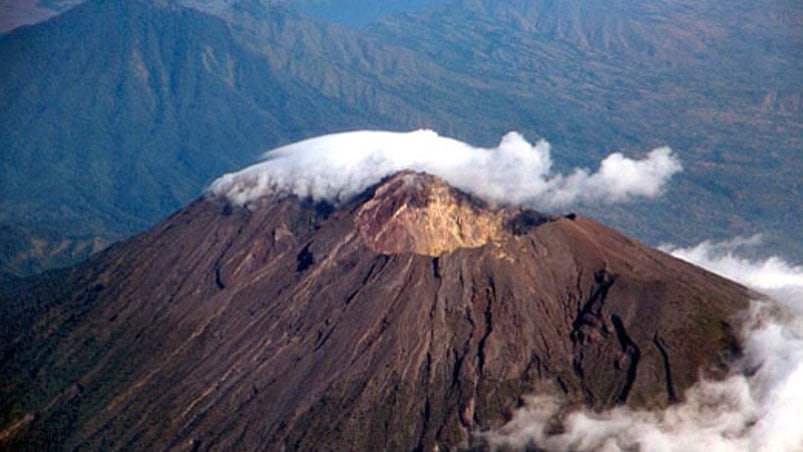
pixel 718 82
pixel 116 113
pixel 356 13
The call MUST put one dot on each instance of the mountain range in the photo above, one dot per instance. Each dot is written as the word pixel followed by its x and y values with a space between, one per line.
pixel 16 13
pixel 116 113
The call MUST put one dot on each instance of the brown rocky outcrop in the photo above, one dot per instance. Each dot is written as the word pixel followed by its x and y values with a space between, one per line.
pixel 411 317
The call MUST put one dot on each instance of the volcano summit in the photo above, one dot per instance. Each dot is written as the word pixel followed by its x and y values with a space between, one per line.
pixel 411 316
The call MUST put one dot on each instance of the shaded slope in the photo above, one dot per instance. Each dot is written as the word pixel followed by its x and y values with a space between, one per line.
pixel 294 324
pixel 116 113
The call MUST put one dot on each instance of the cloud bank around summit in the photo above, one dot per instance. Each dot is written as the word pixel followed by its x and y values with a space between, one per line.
pixel 339 166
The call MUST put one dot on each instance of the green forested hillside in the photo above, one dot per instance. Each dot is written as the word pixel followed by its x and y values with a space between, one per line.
pixel 117 112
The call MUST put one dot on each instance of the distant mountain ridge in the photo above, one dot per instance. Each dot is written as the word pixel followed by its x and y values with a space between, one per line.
pixel 130 122
pixel 712 80
pixel 157 101
pixel 356 13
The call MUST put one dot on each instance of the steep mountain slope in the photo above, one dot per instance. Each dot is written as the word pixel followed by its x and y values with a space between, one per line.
pixel 409 317
pixel 353 13
pixel 116 113
pixel 356 13
pixel 15 13
pixel 396 83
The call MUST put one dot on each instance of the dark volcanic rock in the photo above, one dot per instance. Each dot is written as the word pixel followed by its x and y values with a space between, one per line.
pixel 411 317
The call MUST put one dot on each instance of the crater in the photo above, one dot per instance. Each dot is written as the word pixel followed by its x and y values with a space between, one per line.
pixel 419 213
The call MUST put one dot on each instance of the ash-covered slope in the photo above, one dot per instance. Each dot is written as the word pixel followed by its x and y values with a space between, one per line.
pixel 412 316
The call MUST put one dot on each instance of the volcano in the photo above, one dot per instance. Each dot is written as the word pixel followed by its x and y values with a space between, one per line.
pixel 412 316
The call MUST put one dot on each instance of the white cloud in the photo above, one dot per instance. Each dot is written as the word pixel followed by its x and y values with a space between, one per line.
pixel 772 276
pixel 760 412
pixel 336 167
